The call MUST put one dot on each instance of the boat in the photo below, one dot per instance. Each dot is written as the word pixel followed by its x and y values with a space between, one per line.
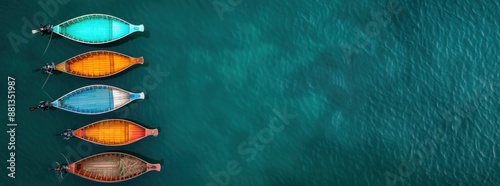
pixel 92 100
pixel 108 167
pixel 95 64
pixel 111 132
pixel 92 29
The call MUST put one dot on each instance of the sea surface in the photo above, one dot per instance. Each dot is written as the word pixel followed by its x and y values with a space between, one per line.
pixel 291 92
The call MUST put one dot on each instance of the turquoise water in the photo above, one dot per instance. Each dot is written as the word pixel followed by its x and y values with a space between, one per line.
pixel 276 92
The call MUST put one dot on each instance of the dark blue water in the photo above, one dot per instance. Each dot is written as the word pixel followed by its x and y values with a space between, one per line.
pixel 274 92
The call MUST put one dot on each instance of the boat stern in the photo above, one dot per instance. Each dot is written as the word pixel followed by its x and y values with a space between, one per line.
pixel 140 60
pixel 150 132
pixel 137 28
pixel 134 96
pixel 156 167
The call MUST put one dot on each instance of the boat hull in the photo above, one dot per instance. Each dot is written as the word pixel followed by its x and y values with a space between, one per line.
pixel 111 167
pixel 96 29
pixel 113 132
pixel 98 64
pixel 95 99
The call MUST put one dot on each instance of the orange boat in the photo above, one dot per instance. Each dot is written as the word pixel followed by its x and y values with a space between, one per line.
pixel 109 167
pixel 111 132
pixel 95 64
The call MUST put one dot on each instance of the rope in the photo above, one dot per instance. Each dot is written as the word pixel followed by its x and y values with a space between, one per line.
pixel 48 43
pixel 65 158
pixel 47 94
pixel 45 82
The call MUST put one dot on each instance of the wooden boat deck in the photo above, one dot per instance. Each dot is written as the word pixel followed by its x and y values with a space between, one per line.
pixel 113 132
pixel 98 64
pixel 110 167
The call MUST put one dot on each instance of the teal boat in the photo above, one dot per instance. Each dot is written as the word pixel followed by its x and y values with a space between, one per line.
pixel 92 100
pixel 92 29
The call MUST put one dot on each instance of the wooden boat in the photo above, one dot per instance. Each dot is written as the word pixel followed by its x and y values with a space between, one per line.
pixel 92 100
pixel 111 132
pixel 92 29
pixel 109 167
pixel 95 64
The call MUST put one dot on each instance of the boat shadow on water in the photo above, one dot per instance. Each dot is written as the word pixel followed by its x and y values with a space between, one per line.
pixel 56 37
pixel 144 125
pixel 59 74
pixel 122 73
pixel 121 41
pixel 50 109
pixel 147 159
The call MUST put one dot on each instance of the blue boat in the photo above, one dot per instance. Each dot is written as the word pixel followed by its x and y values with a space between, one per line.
pixel 92 100
pixel 92 29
